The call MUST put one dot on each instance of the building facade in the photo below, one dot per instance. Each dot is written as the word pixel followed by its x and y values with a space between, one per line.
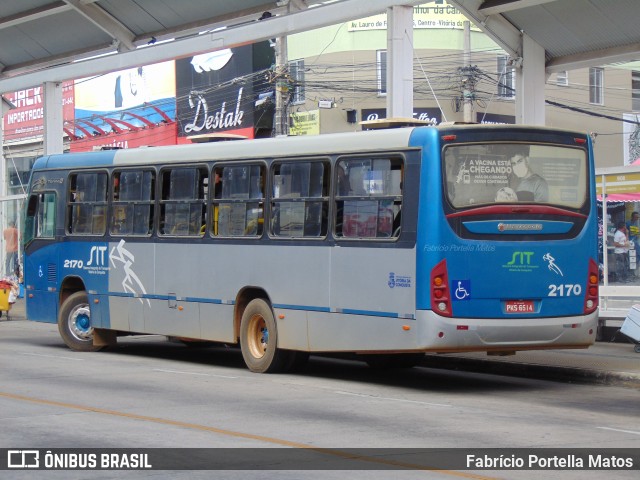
pixel 339 80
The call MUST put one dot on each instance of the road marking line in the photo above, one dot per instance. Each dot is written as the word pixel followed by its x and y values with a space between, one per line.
pixel 250 436
pixel 51 356
pixel 392 399
pixel 191 373
pixel 619 430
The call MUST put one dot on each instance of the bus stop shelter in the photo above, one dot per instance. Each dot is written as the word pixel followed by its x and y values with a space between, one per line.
pixel 618 192
pixel 45 42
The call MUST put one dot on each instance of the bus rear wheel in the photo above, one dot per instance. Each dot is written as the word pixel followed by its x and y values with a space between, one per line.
pixel 74 323
pixel 259 339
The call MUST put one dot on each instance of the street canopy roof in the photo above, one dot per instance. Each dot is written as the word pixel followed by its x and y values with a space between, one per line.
pixel 55 40
pixel 573 33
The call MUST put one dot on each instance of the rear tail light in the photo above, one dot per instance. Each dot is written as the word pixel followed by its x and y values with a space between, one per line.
pixel 440 295
pixel 593 279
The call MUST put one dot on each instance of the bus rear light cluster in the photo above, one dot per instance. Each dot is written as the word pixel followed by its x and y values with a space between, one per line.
pixel 440 295
pixel 591 298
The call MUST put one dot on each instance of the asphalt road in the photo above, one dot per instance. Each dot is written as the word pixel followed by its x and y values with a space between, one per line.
pixel 150 393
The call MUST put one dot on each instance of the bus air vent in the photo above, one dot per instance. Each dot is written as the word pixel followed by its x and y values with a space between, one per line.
pixel 51 272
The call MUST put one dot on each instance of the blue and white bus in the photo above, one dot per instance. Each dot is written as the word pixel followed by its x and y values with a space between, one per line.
pixel 387 244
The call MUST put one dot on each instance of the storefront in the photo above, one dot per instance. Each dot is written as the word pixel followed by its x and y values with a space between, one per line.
pixel 618 192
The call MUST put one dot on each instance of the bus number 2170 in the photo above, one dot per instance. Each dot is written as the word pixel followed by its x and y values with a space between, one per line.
pixel 565 290
pixel 73 264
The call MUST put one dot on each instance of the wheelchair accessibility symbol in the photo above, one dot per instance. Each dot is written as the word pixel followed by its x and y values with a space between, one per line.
pixel 462 289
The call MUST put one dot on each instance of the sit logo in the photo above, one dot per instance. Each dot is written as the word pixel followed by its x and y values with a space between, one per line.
pixel 521 258
pixel 97 254
pixel 521 262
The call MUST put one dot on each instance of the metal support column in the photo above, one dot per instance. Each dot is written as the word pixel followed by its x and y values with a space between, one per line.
pixel 53 119
pixel 6 106
pixel 400 61
pixel 530 83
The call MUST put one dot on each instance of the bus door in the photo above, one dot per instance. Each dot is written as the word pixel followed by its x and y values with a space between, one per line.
pixel 41 257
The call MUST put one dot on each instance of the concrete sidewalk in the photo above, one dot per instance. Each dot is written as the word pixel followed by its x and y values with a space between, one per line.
pixel 605 363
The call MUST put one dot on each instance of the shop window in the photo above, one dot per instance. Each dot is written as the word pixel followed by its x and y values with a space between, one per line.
pixel 506 75
pixel 562 78
pixel 296 69
pixel 596 86
pixel 381 62
pixel 635 90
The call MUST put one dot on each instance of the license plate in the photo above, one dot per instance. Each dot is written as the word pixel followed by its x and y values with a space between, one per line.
pixel 519 306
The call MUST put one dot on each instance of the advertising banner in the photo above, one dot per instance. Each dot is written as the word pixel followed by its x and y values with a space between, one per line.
pixel 125 100
pixel 27 119
pixel 432 115
pixel 216 92
pixel 305 123
pixel 495 119
pixel 631 138
pixel 436 14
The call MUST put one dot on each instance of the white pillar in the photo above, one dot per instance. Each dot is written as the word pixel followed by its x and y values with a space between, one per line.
pixel 3 162
pixel 53 119
pixel 400 61
pixel 530 83
pixel 6 106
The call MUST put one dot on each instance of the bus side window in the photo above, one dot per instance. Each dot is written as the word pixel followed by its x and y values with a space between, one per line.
pixel 182 205
pixel 132 196
pixel 237 207
pixel 86 204
pixel 300 199
pixel 368 196
pixel 40 218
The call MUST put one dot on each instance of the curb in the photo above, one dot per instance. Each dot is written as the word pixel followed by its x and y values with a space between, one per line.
pixel 542 372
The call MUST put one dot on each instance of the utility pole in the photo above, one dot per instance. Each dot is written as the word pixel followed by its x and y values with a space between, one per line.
pixel 281 87
pixel 468 75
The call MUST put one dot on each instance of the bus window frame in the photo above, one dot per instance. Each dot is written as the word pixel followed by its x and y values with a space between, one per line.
pixel 114 203
pixel 584 208
pixel 68 203
pixel 325 198
pixel 36 215
pixel 335 198
pixel 213 203
pixel 161 202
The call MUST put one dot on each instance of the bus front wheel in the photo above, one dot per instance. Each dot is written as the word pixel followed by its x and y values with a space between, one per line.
pixel 259 339
pixel 74 323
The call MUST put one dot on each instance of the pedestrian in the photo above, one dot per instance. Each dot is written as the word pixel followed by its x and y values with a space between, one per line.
pixel 10 235
pixel 621 251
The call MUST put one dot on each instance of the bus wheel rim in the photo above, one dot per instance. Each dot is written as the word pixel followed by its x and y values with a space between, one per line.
pixel 258 336
pixel 80 323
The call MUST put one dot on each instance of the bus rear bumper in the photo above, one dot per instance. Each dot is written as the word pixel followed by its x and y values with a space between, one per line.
pixel 443 334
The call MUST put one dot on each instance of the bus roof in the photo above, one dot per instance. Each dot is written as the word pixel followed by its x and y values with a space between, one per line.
pixel 246 149
pixel 316 145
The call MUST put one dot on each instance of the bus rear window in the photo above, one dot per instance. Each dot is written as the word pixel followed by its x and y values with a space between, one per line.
pixel 478 174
